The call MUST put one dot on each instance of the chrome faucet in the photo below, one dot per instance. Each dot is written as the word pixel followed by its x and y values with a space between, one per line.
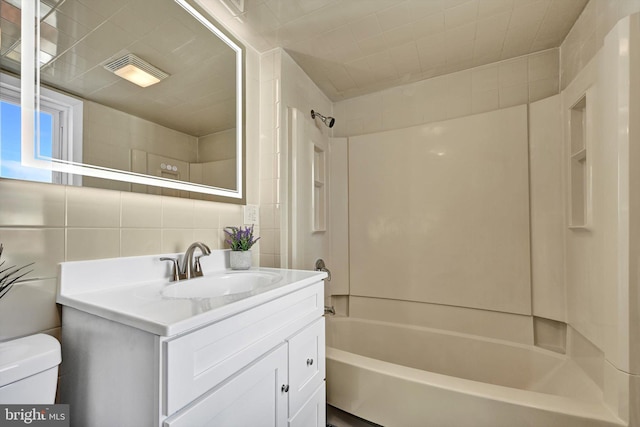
pixel 190 265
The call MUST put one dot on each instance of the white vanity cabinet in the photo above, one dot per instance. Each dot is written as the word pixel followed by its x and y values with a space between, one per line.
pixel 281 388
pixel 250 398
pixel 260 366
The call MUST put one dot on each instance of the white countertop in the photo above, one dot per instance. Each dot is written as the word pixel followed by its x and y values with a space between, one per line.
pixel 104 289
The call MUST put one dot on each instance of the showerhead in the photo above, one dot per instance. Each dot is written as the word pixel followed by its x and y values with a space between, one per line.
pixel 329 121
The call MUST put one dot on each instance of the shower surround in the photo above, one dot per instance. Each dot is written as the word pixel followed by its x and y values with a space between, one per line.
pixel 479 206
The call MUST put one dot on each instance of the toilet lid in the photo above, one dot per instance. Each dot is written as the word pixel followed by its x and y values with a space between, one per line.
pixel 20 358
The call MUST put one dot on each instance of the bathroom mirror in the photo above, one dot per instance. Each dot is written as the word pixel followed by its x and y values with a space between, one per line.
pixel 86 120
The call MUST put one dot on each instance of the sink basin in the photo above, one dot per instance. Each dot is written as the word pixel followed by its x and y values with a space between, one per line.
pixel 220 285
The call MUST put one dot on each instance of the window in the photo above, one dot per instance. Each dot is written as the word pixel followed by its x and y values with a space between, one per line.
pixel 60 125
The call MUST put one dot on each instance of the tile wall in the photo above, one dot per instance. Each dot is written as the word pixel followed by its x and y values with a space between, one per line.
pixel 476 90
pixel 283 85
pixel 270 158
pixel 587 35
pixel 49 224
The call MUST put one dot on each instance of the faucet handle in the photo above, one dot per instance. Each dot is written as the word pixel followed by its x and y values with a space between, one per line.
pixel 198 268
pixel 320 266
pixel 176 268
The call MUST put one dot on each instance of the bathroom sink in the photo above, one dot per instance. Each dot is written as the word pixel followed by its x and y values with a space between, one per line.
pixel 222 284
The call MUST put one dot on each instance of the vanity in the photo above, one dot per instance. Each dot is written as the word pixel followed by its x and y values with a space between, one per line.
pixel 226 349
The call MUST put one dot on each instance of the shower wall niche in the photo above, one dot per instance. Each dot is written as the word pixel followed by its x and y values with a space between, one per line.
pixel 319 190
pixel 580 188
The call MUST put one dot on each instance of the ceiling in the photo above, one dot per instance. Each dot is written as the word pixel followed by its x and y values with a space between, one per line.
pixel 353 47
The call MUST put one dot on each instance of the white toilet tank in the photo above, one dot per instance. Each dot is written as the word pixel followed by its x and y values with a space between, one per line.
pixel 29 370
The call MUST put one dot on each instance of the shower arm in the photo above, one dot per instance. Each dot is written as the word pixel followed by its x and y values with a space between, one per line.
pixel 328 121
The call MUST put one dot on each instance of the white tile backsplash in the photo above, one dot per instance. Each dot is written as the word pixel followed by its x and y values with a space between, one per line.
pixel 90 207
pixel 140 241
pixel 267 242
pixel 177 213
pixel 208 236
pixel 141 211
pixel 206 215
pixel 92 243
pixel 267 213
pixel 29 307
pixel 26 205
pixel 100 224
pixel 176 240
pixel 44 246
pixel 231 215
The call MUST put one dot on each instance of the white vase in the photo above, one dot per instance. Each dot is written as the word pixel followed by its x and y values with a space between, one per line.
pixel 240 260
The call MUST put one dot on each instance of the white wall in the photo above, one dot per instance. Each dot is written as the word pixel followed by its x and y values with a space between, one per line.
pixel 477 90
pixel 587 35
pixel 283 85
pixel 601 258
pixel 439 213
pixel 600 278
pixel 547 198
pixel 270 159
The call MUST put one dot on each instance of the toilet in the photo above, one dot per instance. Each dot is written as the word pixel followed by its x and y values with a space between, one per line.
pixel 29 370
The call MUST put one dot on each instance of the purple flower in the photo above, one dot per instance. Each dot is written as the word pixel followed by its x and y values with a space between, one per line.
pixel 240 239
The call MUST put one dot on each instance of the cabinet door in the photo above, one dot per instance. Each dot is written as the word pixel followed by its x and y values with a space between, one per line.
pixel 198 361
pixel 253 397
pixel 306 364
pixel 314 412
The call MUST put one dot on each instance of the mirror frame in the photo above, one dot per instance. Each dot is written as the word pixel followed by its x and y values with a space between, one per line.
pixel 30 95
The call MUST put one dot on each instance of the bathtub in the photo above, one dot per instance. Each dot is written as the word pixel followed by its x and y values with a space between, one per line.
pixel 399 375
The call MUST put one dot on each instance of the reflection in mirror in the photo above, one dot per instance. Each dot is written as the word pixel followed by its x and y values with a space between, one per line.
pixel 183 122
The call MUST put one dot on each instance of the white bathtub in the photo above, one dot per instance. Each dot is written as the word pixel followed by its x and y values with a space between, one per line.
pixel 398 375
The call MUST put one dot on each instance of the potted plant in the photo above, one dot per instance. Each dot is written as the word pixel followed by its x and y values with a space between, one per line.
pixel 240 241
pixel 9 275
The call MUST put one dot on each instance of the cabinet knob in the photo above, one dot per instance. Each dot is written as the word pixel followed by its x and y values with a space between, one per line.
pixel 309 362
pixel 284 388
